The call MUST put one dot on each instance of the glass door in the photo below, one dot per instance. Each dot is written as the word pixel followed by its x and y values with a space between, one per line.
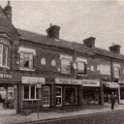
pixel 58 96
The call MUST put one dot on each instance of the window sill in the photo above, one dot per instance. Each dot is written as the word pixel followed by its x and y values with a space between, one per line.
pixel 26 69
pixel 31 99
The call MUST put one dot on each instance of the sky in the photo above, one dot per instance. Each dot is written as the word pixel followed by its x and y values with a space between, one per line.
pixel 78 19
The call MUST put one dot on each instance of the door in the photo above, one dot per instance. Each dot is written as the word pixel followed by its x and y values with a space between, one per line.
pixel 58 96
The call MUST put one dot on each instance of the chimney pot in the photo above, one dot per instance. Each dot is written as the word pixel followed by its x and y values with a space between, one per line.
pixel 89 42
pixel 53 31
pixel 8 11
pixel 115 48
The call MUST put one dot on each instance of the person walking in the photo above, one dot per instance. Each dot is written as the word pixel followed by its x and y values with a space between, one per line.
pixel 112 100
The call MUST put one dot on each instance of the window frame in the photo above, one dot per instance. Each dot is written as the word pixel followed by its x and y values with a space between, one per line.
pixel 63 68
pixel 2 64
pixel 29 93
pixel 84 62
pixel 30 61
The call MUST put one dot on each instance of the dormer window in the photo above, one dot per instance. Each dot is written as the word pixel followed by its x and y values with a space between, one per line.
pixel 26 58
pixel 3 55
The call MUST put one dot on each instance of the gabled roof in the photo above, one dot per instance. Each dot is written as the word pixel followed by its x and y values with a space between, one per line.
pixel 42 39
pixel 5 25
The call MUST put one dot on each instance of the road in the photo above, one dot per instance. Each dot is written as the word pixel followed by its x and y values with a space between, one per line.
pixel 113 117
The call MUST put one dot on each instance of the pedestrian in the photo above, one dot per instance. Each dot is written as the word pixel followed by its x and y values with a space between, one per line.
pixel 112 100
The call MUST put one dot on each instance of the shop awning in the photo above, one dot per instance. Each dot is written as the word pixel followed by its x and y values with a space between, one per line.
pixel 67 81
pixel 111 84
pixel 33 80
pixel 90 83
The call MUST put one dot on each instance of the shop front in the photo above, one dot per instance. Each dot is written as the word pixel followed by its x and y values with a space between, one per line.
pixel 110 87
pixel 91 92
pixel 7 90
pixel 121 85
pixel 31 92
pixel 67 92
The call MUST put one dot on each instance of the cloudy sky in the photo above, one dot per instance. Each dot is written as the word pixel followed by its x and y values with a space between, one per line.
pixel 79 19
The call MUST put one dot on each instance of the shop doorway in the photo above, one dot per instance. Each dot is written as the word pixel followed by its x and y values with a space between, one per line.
pixel 58 96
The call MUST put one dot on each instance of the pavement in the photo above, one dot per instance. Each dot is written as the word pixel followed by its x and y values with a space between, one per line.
pixel 9 116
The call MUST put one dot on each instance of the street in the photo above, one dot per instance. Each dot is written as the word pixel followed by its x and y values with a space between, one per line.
pixel 112 117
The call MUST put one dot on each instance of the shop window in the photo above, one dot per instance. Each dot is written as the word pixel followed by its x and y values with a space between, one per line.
pixel 66 63
pixel 71 97
pixel 31 92
pixel 3 55
pixel 26 92
pixel 26 60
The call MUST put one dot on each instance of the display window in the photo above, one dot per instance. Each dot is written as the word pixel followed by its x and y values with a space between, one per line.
pixel 71 96
pixel 31 92
pixel 91 95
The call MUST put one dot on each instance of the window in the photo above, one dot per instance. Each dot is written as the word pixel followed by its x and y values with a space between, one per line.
pixel 3 55
pixel 43 61
pixel 31 92
pixel 66 63
pixel 53 63
pixel 116 69
pixel 71 96
pixel 81 65
pixel 26 60
pixel 104 69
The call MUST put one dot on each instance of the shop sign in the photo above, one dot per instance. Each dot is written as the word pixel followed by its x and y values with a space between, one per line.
pixel 67 81
pixel 111 84
pixel 5 75
pixel 33 80
pixel 91 83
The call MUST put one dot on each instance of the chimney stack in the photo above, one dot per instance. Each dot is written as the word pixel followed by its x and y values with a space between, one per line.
pixel 115 48
pixel 8 11
pixel 89 42
pixel 53 31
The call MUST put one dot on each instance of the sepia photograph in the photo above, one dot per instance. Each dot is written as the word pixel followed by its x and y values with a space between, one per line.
pixel 61 61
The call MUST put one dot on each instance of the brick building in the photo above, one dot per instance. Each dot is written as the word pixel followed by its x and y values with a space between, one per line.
pixel 40 71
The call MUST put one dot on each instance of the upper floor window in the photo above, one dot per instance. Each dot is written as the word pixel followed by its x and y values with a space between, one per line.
pixel 66 62
pixel 116 70
pixel 3 55
pixel 81 65
pixel 104 69
pixel 26 58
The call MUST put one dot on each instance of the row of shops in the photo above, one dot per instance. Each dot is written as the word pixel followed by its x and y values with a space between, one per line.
pixel 37 93
pixel 33 92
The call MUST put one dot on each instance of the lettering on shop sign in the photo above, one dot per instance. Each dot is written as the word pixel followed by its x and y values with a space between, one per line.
pixel 5 76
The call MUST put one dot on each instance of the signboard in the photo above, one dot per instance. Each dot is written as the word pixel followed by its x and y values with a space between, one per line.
pixel 33 80
pixel 111 84
pixel 91 83
pixel 67 81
